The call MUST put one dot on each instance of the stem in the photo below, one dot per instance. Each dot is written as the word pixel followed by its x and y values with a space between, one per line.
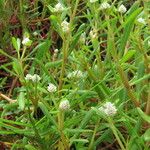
pixel 113 128
pixel 94 133
pixel 113 51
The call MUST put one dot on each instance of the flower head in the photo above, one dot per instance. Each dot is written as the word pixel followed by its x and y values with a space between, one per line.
pixel 83 37
pixel 58 8
pixel 93 34
pixel 122 9
pixel 141 20
pixel 51 88
pixel 36 78
pixel 65 26
pixel 26 41
pixel 64 105
pixel 75 74
pixel 104 5
pixel 93 1
pixel 33 78
pixel 28 77
pixel 108 108
pixel 56 51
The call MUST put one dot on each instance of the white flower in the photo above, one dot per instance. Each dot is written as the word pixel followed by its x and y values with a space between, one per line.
pixel 35 33
pixel 28 77
pixel 36 78
pixel 122 9
pixel 104 5
pixel 93 1
pixel 65 26
pixel 83 37
pixel 51 88
pixel 93 34
pixel 75 74
pixel 25 40
pixel 64 105
pixel 58 8
pixel 109 109
pixel 56 51
pixel 141 20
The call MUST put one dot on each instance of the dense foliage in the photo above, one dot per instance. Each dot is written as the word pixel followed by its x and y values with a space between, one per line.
pixel 75 74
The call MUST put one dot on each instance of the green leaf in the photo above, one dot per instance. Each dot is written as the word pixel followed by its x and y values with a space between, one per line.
pixel 143 115
pixel 53 64
pixel 30 147
pixel 128 56
pixel 17 67
pixel 21 100
pixel 16 43
pixel 147 135
pixel 127 29
pixel 55 24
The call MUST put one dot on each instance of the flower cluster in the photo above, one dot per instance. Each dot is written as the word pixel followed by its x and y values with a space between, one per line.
pixel 93 34
pixel 109 109
pixel 93 1
pixel 104 5
pixel 59 8
pixel 75 74
pixel 51 88
pixel 33 78
pixel 65 26
pixel 64 105
pixel 122 9
pixel 141 20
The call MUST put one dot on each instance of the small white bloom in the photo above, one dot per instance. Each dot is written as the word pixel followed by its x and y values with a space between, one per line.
pixel 65 26
pixel 109 109
pixel 93 1
pixel 122 9
pixel 141 20
pixel 36 78
pixel 56 51
pixel 25 41
pixel 58 8
pixel 64 105
pixel 51 88
pixel 75 74
pixel 93 34
pixel 35 33
pixel 28 77
pixel 104 5
pixel 83 37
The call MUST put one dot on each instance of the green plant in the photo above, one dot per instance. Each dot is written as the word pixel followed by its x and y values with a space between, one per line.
pixel 92 54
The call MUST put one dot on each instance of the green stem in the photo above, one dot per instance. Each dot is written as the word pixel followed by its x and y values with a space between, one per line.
pixel 93 137
pixel 113 128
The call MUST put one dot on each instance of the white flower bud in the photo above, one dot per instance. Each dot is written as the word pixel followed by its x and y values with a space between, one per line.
pixel 64 105
pixel 58 8
pixel 75 74
pixel 93 1
pixel 109 109
pixel 65 26
pixel 51 88
pixel 83 37
pixel 93 34
pixel 26 41
pixel 28 77
pixel 104 5
pixel 141 20
pixel 56 51
pixel 36 78
pixel 122 9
